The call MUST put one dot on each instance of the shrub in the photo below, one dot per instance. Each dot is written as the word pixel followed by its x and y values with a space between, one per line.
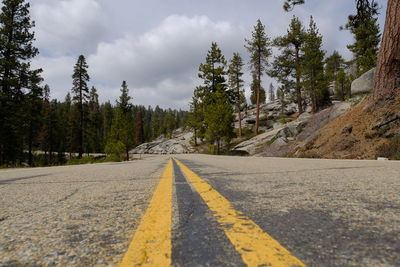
pixel 115 149
pixel 83 160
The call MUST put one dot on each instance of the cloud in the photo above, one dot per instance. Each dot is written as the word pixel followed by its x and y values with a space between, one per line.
pixel 158 53
pixel 68 26
pixel 57 74
pixel 162 63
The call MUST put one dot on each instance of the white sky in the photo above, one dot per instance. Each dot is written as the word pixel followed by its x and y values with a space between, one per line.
pixel 157 45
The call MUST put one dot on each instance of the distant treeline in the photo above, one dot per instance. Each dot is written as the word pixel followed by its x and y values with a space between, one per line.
pixel 106 127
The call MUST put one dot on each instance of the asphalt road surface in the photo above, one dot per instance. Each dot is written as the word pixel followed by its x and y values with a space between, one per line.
pixel 199 210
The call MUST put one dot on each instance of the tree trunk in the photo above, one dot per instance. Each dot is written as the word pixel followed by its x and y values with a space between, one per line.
pixel 80 125
pixel 258 92
pixel 30 144
pixel 298 86
pixel 127 154
pixel 258 108
pixel 240 122
pixel 387 76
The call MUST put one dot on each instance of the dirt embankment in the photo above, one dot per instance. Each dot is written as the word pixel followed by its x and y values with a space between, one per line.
pixel 358 133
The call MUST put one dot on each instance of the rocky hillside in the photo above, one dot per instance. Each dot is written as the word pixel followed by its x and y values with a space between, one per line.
pixel 178 144
pixel 288 132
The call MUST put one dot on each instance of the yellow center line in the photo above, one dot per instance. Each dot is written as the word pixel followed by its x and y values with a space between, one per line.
pixel 255 246
pixel 151 243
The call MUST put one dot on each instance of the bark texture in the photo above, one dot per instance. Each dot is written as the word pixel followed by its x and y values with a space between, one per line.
pixel 387 77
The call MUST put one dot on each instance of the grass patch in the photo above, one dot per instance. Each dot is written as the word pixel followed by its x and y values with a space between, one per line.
pixel 92 160
pixel 284 120
pixel 270 142
pixel 390 150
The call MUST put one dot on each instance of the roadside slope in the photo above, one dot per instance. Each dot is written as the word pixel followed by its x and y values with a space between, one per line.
pixel 359 133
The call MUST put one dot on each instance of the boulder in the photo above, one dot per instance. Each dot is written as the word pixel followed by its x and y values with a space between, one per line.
pixel 290 111
pixel 284 133
pixel 364 84
pixel 280 141
pixel 348 129
pixel 272 106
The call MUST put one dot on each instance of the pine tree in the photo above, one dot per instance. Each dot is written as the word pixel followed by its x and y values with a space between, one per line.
pixel 118 135
pixel 365 29
pixel 209 96
pixel 63 128
pixel 260 51
pixel 139 137
pixel 219 120
pixel 333 64
pixel 254 88
pixel 47 127
pixel 212 72
pixel 313 74
pixel 343 85
pixel 17 79
pixel 34 107
pixel 95 136
pixel 235 82
pixel 196 119
pixel 122 129
pixel 287 66
pixel 123 102
pixel 170 123
pixel 155 123
pixel 80 91
pixel 271 93
pixel 107 116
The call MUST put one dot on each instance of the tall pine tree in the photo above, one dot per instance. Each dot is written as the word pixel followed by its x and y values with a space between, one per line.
pixel 259 49
pixel 287 66
pixel 235 82
pixel 17 79
pixel 365 29
pixel 80 91
pixel 122 128
pixel 95 136
pixel 210 98
pixel 314 79
pixel 334 65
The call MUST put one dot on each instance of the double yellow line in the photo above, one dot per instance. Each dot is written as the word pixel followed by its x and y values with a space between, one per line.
pixel 151 244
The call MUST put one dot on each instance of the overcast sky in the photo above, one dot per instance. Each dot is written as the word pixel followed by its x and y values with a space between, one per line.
pixel 157 45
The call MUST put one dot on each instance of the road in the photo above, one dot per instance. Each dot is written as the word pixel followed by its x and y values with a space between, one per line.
pixel 201 210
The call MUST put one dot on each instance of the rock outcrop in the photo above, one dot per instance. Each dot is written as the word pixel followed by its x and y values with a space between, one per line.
pixel 289 137
pixel 364 84
pixel 178 144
